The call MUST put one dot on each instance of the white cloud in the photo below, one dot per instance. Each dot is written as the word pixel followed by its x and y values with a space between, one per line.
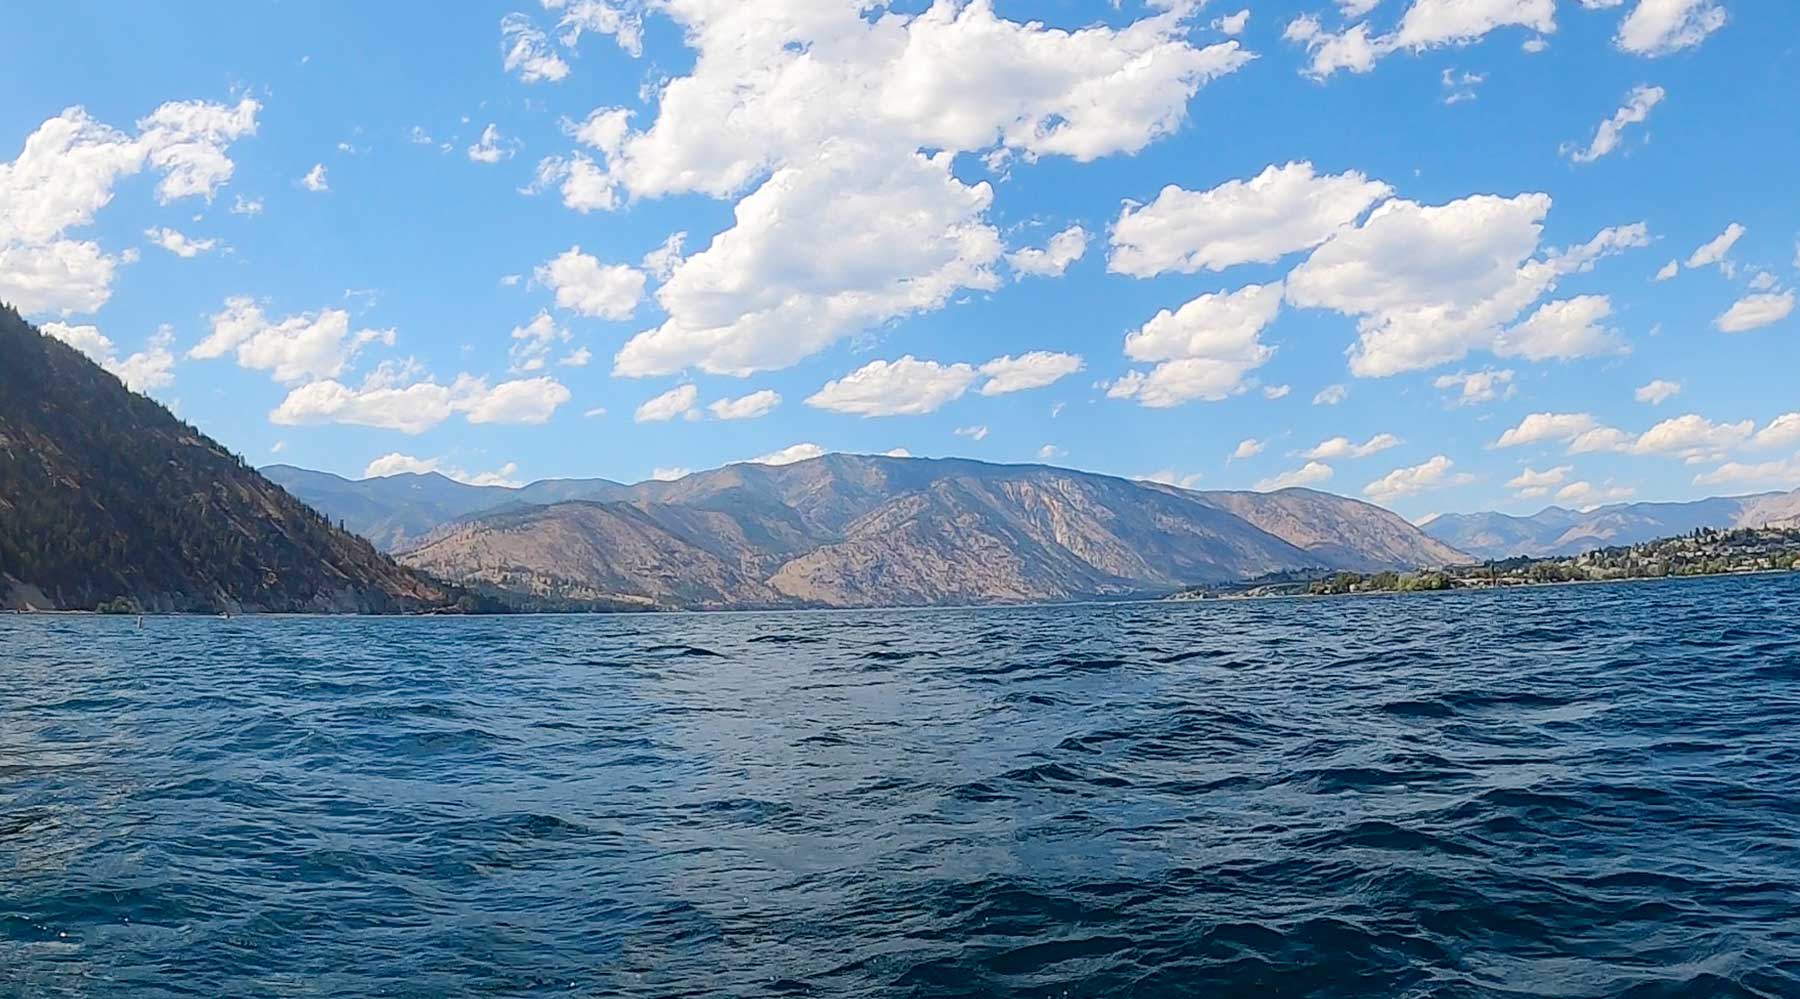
pixel 1232 24
pixel 1531 484
pixel 1027 371
pixel 577 358
pixel 1763 281
pixel 1050 452
pixel 1659 27
pixel 662 261
pixel 1460 87
pixel 1310 474
pixel 1692 437
pixel 179 244
pixel 1171 477
pixel 669 474
pixel 1206 349
pixel 1331 395
pixel 906 387
pixel 1427 24
pixel 526 52
pixel 584 186
pixel 395 463
pixel 1731 472
pixel 1476 387
pixel 1403 482
pixel 1657 392
pixel 1249 447
pixel 1782 431
pixel 1714 251
pixel 1431 283
pixel 385 401
pixel 1539 428
pixel 606 17
pixel 975 433
pixel 1668 270
pixel 587 287
pixel 1586 495
pixel 1564 329
pixel 747 407
pixel 293 349
pixel 1344 447
pixel 533 342
pixel 314 180
pixel 67 171
pixel 789 455
pixel 1280 211
pixel 1276 391
pixel 150 368
pixel 1606 138
pixel 491 147
pixel 824 113
pixel 1755 311
pixel 678 401
pixel 1064 248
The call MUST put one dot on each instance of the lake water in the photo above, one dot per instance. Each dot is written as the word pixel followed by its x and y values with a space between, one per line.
pixel 1576 791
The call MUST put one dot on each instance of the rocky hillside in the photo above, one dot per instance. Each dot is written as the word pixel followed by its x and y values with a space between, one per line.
pixel 1556 532
pixel 857 530
pixel 108 499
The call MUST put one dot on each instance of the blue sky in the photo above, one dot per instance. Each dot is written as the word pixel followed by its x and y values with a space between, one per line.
pixel 913 219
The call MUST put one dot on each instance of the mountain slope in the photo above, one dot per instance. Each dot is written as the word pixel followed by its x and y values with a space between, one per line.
pixel 105 496
pixel 1555 531
pixel 858 530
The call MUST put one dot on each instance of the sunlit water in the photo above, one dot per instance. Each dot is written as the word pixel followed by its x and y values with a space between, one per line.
pixel 1577 791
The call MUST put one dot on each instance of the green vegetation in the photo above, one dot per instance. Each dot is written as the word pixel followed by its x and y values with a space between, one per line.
pixel 108 502
pixel 1704 552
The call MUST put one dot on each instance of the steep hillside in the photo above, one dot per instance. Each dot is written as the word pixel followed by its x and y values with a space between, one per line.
pixel 858 530
pixel 105 497
pixel 1555 531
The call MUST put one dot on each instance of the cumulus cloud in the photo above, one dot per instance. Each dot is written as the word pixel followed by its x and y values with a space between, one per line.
pixel 1564 329
pixel 1310 474
pixel 1475 387
pixel 906 387
pixel 67 171
pixel 842 126
pixel 584 285
pixel 1714 251
pixel 1249 447
pixel 1331 395
pixel 491 147
pixel 1033 370
pixel 1427 24
pixel 1539 428
pixel 1736 472
pixel 621 20
pixel 1064 249
pixel 789 455
pixel 386 401
pixel 678 401
pixel 1206 349
pixel 1635 111
pixel 1668 270
pixel 178 243
pixel 975 433
pixel 1585 495
pixel 150 368
pixel 1400 483
pixel 1343 447
pixel 309 345
pixel 1755 311
pixel 1692 437
pixel 747 407
pixel 1531 484
pixel 1657 392
pixel 533 342
pixel 1660 27
pixel 314 180
pixel 1280 211
pixel 1783 431
pixel 396 463
pixel 1431 283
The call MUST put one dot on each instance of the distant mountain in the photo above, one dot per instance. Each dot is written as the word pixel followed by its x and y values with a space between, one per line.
pixel 106 498
pixel 858 530
pixel 1555 531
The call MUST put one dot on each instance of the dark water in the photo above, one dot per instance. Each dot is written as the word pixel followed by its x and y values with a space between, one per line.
pixel 1584 791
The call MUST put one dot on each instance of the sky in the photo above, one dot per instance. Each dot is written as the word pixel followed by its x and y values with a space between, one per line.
pixel 1442 255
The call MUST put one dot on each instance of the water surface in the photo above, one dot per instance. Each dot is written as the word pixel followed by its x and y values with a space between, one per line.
pixel 1576 791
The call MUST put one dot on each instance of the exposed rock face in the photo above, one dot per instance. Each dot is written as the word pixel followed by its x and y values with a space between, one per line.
pixel 852 530
pixel 1556 531
pixel 107 498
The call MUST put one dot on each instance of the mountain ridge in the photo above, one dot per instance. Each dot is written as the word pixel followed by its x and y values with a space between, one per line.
pixel 1558 531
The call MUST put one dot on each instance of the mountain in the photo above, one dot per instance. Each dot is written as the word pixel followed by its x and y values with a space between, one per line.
pixel 1556 531
pixel 107 498
pixel 860 530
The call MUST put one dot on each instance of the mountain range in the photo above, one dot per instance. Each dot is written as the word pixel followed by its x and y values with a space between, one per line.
pixel 858 530
pixel 106 499
pixel 1556 531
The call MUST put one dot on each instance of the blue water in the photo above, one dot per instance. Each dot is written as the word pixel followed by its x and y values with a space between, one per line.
pixel 1578 791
